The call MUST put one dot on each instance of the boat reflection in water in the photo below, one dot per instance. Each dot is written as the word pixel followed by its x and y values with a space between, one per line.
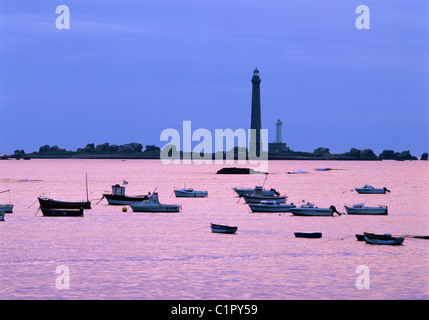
pixel 47 212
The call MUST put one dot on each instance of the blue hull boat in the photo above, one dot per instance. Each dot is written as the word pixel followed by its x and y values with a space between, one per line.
pixel 313 235
pixel 381 239
pixel 218 228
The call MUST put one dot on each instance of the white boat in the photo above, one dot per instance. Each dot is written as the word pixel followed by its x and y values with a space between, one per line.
pixel 270 206
pixel 360 208
pixel 309 209
pixel 190 193
pixel 247 191
pixel 6 208
pixel 153 205
pixel 367 189
pixel 258 196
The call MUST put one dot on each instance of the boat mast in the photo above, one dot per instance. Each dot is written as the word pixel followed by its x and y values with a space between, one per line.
pixel 266 176
pixel 87 197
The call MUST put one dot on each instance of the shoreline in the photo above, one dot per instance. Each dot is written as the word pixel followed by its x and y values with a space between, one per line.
pixel 135 150
pixel 156 156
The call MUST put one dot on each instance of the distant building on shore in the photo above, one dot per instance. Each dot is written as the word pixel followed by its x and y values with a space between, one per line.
pixel 278 145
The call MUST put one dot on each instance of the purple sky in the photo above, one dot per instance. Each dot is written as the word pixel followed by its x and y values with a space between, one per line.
pixel 126 70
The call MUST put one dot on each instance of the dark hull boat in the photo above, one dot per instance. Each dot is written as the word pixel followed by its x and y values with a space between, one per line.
pixel 47 212
pixel 55 204
pixel 218 228
pixel 48 203
pixel 386 239
pixel 114 199
pixel 118 197
pixel 312 235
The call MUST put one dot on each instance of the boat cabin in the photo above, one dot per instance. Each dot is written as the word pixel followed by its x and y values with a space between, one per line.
pixel 118 190
pixel 257 190
pixel 153 198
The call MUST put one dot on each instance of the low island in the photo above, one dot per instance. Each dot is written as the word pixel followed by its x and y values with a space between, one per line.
pixel 135 150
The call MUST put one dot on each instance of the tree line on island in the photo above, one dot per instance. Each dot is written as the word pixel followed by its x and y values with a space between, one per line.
pixel 92 151
pixel 135 150
pixel 368 154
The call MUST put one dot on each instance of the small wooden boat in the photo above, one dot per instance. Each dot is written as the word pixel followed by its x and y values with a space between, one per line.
pixel 1 216
pixel 360 208
pixel 190 193
pixel 385 239
pixel 270 206
pixel 49 212
pixel 218 228
pixel 153 205
pixel 56 204
pixel 48 203
pixel 118 197
pixel 312 235
pixel 310 210
pixel 367 189
pixel 6 208
pixel 248 191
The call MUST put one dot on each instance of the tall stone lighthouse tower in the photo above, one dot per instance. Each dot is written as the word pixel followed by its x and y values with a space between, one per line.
pixel 255 123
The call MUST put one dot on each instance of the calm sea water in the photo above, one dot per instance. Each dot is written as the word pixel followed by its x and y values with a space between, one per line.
pixel 112 254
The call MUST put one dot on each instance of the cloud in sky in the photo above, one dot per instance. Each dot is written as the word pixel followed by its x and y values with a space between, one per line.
pixel 126 70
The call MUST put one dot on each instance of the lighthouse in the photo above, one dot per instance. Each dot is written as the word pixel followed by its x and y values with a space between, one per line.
pixel 255 122
pixel 279 131
pixel 278 146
